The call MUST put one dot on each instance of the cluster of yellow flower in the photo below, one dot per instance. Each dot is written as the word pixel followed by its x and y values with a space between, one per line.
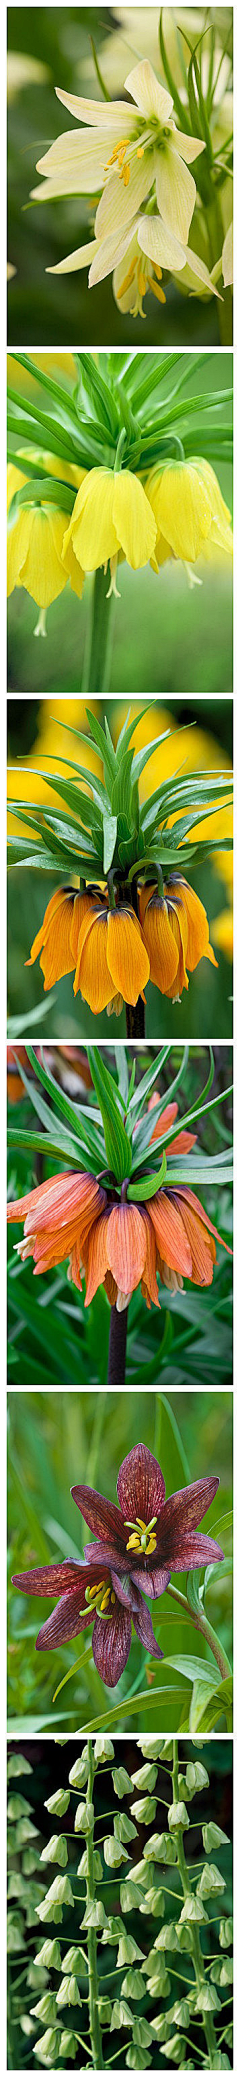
pixel 177 512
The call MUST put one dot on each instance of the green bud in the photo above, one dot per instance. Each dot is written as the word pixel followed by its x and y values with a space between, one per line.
pixel 153 1902
pixel 207 1999
pixel 58 1804
pixel 55 1851
pixel 220 2062
pixel 161 2027
pixel 68 1993
pixel 121 1781
pixel 68 2046
pixel 167 1938
pixel 178 1819
pixel 105 2011
pixel 142 2033
pixel 26 2024
pixel 31 1979
pixel 30 1860
pixel 15 1933
pixel 159 1986
pixel 112 1932
pixel 130 1894
pixel 193 1909
pixel 151 1747
pixel 160 1848
pixel 23 1832
pixel 97 1865
pixel 79 1772
pixel 121 2015
pixel 180 2014
pixel 196 1777
pixel 137 2058
pixel 49 1955
pixel 48 2046
pixel 175 2049
pixel 60 1891
pixel 73 1962
pixel 144 1810
pixel 114 1853
pixel 145 1778
pixel 215 1972
pixel 226 1971
pixel 16 1886
pixel 84 1818
pixel 17 1765
pixel 128 1951
pixel 46 1910
pixel 95 1915
pixel 213 1836
pixel 103 1749
pixel 133 1985
pixel 18 1807
pixel 225 1932
pixel 123 1829
pixel 141 1873
pixel 210 1881
pixel 229 2036
pixel 46 2008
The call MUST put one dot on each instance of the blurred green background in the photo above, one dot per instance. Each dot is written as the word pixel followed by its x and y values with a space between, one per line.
pixel 42 309
pixel 33 732
pixel 55 1438
pixel 50 1771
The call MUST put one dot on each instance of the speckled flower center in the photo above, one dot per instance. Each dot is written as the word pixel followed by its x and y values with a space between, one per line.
pixel 142 1539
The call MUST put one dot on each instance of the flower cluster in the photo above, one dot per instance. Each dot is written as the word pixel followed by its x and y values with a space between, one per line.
pixel 136 158
pixel 177 513
pixel 138 1544
pixel 113 952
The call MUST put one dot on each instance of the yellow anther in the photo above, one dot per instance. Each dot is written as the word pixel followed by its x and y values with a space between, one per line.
pixel 141 1525
pixel 125 174
pixel 96 1590
pixel 134 1543
pixel 151 1546
pixel 105 1599
pixel 128 278
pixel 113 1597
pixel 158 271
pixel 156 291
pixel 140 151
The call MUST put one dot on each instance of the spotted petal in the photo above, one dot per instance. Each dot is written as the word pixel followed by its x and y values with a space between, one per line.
pixel 181 1516
pixel 144 1630
pixel 111 1645
pixel 101 1515
pixel 140 1485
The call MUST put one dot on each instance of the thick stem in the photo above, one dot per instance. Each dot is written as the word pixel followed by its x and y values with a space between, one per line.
pixel 201 1623
pixel 135 1019
pixel 98 651
pixel 94 2021
pixel 195 1943
pixel 117 1347
pixel 225 318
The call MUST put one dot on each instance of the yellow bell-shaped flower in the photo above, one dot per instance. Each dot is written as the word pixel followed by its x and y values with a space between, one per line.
pixel 111 516
pixel 190 512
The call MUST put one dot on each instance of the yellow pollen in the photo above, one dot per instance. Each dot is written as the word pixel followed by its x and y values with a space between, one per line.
pixel 158 271
pixel 134 1543
pixel 113 1597
pixel 141 280
pixel 140 151
pixel 156 291
pixel 125 174
pixel 96 1590
pixel 128 279
pixel 105 1598
pixel 118 152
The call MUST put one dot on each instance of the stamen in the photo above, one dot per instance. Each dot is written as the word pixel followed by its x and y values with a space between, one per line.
pixel 158 292
pixel 113 590
pixel 129 277
pixel 105 1598
pixel 140 151
pixel 141 279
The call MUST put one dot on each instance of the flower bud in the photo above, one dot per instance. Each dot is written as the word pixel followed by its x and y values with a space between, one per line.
pixel 180 2013
pixel 123 1829
pixel 68 2046
pixel 17 1765
pixel 121 2015
pixel 167 1938
pixel 18 1807
pixel 225 1932
pixel 24 1831
pixel 121 1781
pixel 47 1910
pixel 112 1932
pixel 212 1835
pixel 142 2033
pixel 97 1865
pixel 153 1901
pixel 161 2027
pixel 133 1985
pixel 31 1979
pixel 207 1999
pixel 103 1749
pixel 74 1961
pixel 210 1880
pixel 226 1971
pixel 151 1747
pixel 144 1810
pixel 128 1951
pixel 68 1993
pixel 79 1772
pixel 145 1777
pixel 130 1894
pixel 175 2049
pixel 193 1909
pixel 58 1804
pixel 105 2011
pixel 178 1818
pixel 46 2008
pixel 114 1853
pixel 137 2058
pixel 215 1972
pixel 95 1915
pixel 141 1873
pixel 55 1851
pixel 30 1860
pixel 158 1986
pixel 84 1818
pixel 49 1955
pixel 60 1891
pixel 160 1848
pixel 48 2046
pixel 196 1776
pixel 15 1933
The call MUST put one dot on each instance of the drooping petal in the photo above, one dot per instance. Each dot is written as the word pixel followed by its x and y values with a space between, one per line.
pixel 84 907
pixel 83 256
pixel 202 1246
pixel 49 917
pixel 126 1246
pixel 149 1280
pixel 42 571
pixel 134 522
pixel 198 928
pixel 152 99
pixel 56 957
pixel 78 160
pixel 160 943
pixel 91 524
pixel 151 1578
pixel 160 245
pixel 144 1629
pixel 178 919
pixel 172 1242
pixel 92 971
pixel 127 957
pixel 97 1254
pixel 48 1579
pixel 194 1202
pixel 102 1516
pixel 111 1644
pixel 189 147
pixel 140 1485
pixel 176 191
pixel 126 1590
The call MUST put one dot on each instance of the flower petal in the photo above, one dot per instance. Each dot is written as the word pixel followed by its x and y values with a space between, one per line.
pixel 135 525
pixel 110 1552
pixel 48 1579
pixel 91 524
pixel 144 1630
pixel 127 959
pixel 192 1200
pixel 83 256
pixel 172 1242
pixel 140 1485
pixel 92 970
pixel 56 957
pixel 101 1515
pixel 176 191
pixel 149 1281
pixel 152 1582
pixel 189 147
pixel 126 1590
pixel 77 160
pixel 160 245
pixel 194 1551
pixel 126 1245
pixel 111 1644
pixel 119 205
pixel 181 1515
pixel 97 1257
pixel 65 1622
pixel 112 115
pixel 160 942
pixel 203 1249
pixel 151 98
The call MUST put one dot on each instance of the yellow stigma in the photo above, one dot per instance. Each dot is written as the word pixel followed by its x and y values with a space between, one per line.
pixel 142 1539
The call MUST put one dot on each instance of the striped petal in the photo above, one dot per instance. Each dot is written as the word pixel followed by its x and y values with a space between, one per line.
pixel 102 1516
pixel 189 1197
pixel 119 204
pixel 176 191
pixel 160 943
pixel 151 98
pixel 140 1485
pixel 110 115
pixel 91 525
pixel 127 958
pixel 97 1257
pixel 160 245
pixel 133 519
pixel 180 1517
pixel 144 1629
pixel 92 971
pixel 111 1644
pixel 149 1281
pixel 48 1579
pixel 126 1244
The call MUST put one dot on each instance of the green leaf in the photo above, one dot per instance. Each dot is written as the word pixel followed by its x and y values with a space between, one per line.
pixel 109 840
pixel 207 1707
pixel 196 1669
pixel 118 1148
pixel 140 1192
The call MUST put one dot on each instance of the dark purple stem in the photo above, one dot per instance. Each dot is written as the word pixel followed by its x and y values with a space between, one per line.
pixel 117 1347
pixel 135 1019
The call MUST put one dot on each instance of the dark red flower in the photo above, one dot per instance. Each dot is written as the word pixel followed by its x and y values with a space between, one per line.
pixel 149 1534
pixel 92 1593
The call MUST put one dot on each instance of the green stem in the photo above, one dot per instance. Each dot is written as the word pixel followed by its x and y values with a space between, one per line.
pixel 201 1623
pixel 225 318
pixel 196 1951
pixel 94 2021
pixel 97 659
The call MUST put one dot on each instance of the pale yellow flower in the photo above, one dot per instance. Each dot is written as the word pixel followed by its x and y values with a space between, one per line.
pixel 136 149
pixel 190 512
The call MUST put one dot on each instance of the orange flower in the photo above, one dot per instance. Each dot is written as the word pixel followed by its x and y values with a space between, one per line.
pixel 57 939
pixel 117 1244
pixel 176 933
pixel 184 1140
pixel 112 961
pixel 57 1218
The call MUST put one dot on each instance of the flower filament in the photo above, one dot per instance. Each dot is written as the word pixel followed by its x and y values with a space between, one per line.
pixel 101 1599
pixel 142 1539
